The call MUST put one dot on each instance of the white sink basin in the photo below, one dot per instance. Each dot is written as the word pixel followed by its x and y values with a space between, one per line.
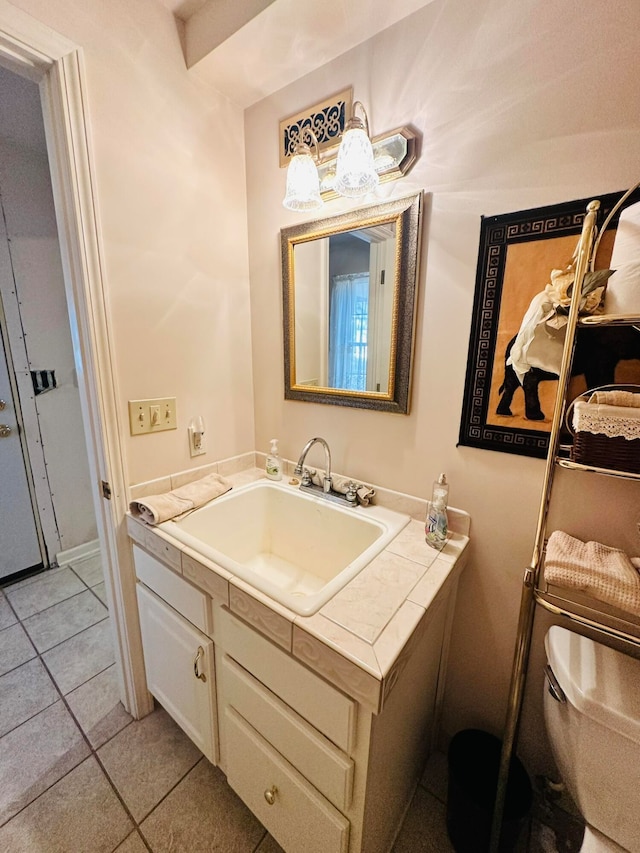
pixel 297 548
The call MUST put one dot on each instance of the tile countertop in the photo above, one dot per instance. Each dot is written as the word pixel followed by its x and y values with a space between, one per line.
pixel 362 637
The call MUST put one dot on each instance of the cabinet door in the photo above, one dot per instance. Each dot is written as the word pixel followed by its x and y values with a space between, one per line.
pixel 179 662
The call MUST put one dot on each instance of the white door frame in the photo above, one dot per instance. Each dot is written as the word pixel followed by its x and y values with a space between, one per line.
pixel 32 50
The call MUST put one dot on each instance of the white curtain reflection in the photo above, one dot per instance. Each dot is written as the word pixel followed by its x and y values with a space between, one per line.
pixel 348 324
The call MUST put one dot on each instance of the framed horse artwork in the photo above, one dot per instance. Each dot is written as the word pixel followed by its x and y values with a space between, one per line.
pixel 523 288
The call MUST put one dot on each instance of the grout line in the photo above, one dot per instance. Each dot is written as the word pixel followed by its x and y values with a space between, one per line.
pixel 93 751
pixel 173 787
pixel 55 604
pixel 70 637
pixel 30 717
pixel 256 850
pixel 18 665
pixel 79 576
pixel 48 607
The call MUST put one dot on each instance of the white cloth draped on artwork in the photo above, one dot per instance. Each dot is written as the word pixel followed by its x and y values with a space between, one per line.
pixel 540 339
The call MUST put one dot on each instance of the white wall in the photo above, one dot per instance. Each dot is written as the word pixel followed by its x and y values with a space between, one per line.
pixel 56 432
pixel 520 104
pixel 168 155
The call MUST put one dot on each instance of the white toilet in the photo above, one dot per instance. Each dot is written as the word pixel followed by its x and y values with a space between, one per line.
pixel 593 723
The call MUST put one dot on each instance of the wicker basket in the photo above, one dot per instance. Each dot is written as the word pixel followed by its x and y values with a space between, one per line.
pixel 618 454
pixel 590 447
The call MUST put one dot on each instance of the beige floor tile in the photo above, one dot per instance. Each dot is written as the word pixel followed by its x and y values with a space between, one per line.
pixel 24 692
pixel 79 813
pixel 42 592
pixel 97 708
pixel 7 616
pixel 424 829
pixel 132 844
pixel 202 813
pixel 61 621
pixel 35 755
pixel 15 648
pixel 146 759
pixel 81 657
pixel 89 570
pixel 436 776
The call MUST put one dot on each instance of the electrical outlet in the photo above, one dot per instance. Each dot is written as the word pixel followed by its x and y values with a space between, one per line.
pixel 152 415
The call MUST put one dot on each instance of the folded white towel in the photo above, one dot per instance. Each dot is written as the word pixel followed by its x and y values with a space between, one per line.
pixel 605 573
pixel 623 289
pixel 155 509
pixel 616 398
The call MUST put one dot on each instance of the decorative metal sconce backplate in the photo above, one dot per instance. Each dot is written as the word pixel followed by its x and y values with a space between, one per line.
pixel 326 119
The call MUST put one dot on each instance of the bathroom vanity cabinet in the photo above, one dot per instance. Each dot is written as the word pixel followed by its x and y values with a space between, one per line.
pixel 324 768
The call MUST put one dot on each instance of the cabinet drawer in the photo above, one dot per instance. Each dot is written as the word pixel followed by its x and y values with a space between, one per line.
pixel 299 818
pixel 179 593
pixel 319 761
pixel 330 711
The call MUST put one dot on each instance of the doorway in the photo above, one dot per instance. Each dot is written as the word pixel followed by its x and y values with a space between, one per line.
pixel 47 512
pixel 36 52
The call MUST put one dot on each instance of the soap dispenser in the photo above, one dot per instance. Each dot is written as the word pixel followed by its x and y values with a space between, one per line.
pixel 274 465
pixel 436 527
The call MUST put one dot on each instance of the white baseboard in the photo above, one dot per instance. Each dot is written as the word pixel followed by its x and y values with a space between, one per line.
pixel 80 552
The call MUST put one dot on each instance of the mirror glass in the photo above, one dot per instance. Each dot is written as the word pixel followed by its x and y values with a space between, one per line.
pixel 349 286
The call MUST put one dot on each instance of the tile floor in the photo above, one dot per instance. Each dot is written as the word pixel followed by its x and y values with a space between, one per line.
pixel 78 775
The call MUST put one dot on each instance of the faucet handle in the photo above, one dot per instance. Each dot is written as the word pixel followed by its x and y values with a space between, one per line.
pixel 306 477
pixel 352 494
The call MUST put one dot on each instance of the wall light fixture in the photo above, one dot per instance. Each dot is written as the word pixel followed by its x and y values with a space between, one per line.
pixel 303 182
pixel 354 169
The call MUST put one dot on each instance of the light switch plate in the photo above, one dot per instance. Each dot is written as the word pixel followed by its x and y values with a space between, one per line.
pixel 154 415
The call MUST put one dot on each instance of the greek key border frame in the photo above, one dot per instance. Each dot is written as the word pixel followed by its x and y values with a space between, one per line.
pixel 496 233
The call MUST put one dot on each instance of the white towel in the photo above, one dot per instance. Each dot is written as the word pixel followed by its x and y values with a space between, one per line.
pixel 626 243
pixel 605 573
pixel 623 289
pixel 155 509
pixel 617 397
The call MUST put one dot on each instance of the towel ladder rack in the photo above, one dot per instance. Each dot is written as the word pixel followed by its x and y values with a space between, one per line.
pixel 532 593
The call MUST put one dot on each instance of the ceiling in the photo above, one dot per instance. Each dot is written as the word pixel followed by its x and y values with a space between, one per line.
pixel 248 49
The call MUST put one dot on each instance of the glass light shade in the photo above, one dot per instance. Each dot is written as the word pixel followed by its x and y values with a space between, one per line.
pixel 303 184
pixel 355 172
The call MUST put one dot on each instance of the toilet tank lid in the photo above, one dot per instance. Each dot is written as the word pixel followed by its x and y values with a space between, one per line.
pixel 600 682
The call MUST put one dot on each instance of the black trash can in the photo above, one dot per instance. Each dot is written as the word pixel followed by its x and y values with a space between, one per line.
pixel 474 761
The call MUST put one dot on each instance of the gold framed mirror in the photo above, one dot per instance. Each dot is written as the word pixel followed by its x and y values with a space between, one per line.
pixel 349 287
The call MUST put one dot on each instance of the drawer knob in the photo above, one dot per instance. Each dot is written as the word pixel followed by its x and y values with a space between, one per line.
pixel 196 665
pixel 270 795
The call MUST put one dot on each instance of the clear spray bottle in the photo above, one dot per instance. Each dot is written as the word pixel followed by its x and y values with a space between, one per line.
pixel 436 528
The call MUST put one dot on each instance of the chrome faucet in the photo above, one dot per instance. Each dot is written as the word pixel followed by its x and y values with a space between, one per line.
pixel 298 471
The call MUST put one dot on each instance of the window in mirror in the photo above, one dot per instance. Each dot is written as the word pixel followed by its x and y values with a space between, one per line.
pixel 349 286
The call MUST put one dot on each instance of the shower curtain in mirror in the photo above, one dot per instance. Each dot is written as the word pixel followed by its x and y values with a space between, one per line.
pixel 348 323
